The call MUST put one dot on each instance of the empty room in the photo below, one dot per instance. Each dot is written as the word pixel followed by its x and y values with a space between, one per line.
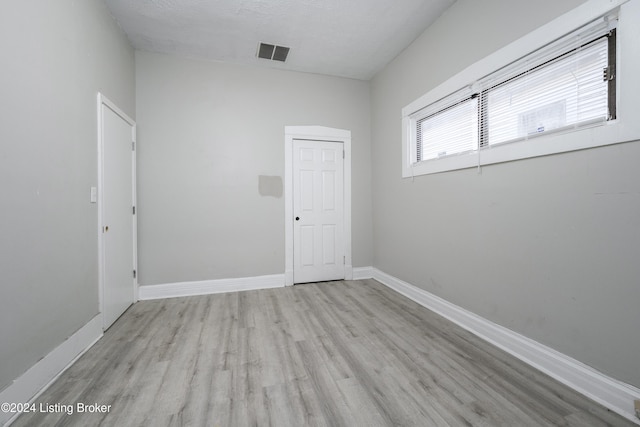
pixel 306 212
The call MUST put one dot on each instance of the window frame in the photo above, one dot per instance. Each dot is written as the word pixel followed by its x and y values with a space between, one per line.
pixel 614 131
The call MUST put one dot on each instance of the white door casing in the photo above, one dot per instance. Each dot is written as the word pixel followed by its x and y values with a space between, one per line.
pixel 295 135
pixel 318 206
pixel 116 213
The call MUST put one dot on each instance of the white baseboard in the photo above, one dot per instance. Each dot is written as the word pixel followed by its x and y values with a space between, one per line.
pixel 361 273
pixel 206 287
pixel 37 379
pixel 611 393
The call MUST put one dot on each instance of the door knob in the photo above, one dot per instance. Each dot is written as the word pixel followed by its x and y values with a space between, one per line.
pixel 297 218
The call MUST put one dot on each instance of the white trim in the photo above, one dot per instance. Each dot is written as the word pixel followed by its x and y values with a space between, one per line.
pixel 361 273
pixel 207 287
pixel 319 133
pixel 40 376
pixel 103 100
pixel 625 128
pixel 348 272
pixel 611 393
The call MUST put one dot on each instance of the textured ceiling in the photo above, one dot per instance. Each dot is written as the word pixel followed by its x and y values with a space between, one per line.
pixel 348 38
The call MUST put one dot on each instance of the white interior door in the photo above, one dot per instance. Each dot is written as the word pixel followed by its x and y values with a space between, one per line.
pixel 118 226
pixel 318 207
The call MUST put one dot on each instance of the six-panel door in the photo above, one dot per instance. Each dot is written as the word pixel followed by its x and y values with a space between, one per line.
pixel 318 206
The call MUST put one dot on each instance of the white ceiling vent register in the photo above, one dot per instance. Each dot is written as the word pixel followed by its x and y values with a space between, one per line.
pixel 273 52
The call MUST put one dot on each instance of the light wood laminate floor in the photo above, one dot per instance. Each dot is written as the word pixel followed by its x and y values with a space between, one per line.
pixel 351 353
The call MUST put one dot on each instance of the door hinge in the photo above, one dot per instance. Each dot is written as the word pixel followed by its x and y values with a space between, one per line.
pixel 133 146
pixel 607 74
pixel 134 210
pixel 343 154
pixel 344 259
pixel 134 274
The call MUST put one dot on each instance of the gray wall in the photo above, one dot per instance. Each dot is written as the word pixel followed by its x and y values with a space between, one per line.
pixel 547 247
pixel 56 56
pixel 207 132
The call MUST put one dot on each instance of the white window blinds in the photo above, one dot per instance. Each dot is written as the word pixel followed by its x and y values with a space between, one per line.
pixel 452 131
pixel 569 90
pixel 563 85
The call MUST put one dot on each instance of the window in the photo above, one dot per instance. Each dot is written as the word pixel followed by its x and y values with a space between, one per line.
pixel 530 105
pixel 568 91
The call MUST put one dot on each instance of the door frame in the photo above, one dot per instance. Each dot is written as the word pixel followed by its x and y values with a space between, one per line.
pixel 103 101
pixel 315 133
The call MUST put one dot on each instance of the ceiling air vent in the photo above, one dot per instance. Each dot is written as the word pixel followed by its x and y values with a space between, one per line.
pixel 269 51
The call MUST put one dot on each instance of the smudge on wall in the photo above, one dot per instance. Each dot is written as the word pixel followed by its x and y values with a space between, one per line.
pixel 270 186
